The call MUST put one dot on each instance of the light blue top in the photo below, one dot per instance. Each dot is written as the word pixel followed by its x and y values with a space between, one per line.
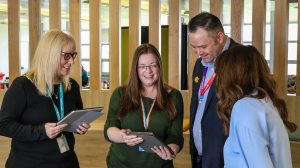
pixel 257 137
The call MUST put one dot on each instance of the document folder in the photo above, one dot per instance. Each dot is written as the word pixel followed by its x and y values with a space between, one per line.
pixel 76 117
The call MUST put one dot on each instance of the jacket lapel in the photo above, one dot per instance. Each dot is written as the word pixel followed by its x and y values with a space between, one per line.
pixel 211 93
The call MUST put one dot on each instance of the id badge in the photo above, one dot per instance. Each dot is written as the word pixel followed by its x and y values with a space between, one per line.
pixel 62 143
pixel 201 99
pixel 141 149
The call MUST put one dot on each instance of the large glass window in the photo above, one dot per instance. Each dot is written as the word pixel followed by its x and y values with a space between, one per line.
pixel 3 41
pixel 24 36
pixel 226 17
pixel 44 16
pixel 65 18
pixel 247 25
pixel 85 38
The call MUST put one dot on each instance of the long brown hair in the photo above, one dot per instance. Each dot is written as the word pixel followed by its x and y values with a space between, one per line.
pixel 241 71
pixel 131 99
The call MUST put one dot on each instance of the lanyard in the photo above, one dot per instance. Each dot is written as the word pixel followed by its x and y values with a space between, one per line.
pixel 146 119
pixel 203 88
pixel 59 114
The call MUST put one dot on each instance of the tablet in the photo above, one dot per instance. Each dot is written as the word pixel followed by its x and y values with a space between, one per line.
pixel 76 117
pixel 150 141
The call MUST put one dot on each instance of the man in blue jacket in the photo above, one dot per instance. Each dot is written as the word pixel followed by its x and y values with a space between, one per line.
pixel 207 138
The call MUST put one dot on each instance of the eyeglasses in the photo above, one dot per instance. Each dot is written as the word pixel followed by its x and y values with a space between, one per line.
pixel 67 56
pixel 144 67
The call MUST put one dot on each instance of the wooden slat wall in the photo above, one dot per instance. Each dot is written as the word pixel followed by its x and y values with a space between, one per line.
pixel 114 40
pixel 195 8
pixel 74 11
pixel 174 43
pixel 34 26
pixel 298 55
pixel 94 45
pixel 97 97
pixel 13 39
pixel 216 8
pixel 280 45
pixel 237 20
pixel 258 25
pixel 134 28
pixel 54 14
pixel 154 23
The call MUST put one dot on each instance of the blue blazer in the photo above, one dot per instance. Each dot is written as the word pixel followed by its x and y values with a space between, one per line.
pixel 213 137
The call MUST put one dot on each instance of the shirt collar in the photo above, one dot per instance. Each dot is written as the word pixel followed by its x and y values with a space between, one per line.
pixel 209 65
pixel 227 43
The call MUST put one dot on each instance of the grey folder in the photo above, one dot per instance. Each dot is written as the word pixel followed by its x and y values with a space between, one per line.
pixel 150 141
pixel 76 117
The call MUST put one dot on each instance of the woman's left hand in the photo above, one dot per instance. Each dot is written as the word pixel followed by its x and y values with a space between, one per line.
pixel 83 128
pixel 165 153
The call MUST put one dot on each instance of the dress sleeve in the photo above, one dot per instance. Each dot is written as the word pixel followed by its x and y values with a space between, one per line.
pixel 13 106
pixel 175 133
pixel 249 129
pixel 112 116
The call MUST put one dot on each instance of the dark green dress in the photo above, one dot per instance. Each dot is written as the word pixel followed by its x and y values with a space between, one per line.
pixel 169 131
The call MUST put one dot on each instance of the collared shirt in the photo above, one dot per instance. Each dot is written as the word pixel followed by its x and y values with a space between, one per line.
pixel 197 132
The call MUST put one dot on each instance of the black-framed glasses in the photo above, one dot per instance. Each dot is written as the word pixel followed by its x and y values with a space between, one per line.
pixel 144 67
pixel 67 56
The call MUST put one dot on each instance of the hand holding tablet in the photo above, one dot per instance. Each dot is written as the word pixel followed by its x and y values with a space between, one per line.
pixel 151 142
pixel 77 117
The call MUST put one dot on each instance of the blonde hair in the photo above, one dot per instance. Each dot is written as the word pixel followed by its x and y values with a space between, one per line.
pixel 46 61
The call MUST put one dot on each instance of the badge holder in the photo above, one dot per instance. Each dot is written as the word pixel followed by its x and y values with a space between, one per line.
pixel 62 143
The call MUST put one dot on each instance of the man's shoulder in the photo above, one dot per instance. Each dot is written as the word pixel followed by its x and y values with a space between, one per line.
pixel 233 43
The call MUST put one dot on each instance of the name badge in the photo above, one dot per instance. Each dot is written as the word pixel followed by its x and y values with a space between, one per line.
pixel 62 144
pixel 141 149
pixel 201 99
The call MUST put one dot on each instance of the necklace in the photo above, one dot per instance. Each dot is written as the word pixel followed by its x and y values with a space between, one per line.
pixel 56 95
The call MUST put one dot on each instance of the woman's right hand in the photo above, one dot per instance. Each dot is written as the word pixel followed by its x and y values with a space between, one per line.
pixel 52 130
pixel 129 139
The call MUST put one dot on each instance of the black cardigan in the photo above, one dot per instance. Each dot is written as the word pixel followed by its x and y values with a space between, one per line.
pixel 23 115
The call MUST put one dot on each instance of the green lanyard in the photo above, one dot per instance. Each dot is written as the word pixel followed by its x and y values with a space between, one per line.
pixel 59 114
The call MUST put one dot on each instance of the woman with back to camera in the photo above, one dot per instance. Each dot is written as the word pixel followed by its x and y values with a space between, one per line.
pixel 145 104
pixel 253 114
pixel 36 101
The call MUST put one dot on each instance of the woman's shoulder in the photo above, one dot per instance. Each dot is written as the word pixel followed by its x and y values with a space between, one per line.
pixel 172 91
pixel 119 91
pixel 249 111
pixel 73 83
pixel 22 80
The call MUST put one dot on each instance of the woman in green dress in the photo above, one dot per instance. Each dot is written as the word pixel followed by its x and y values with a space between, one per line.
pixel 145 104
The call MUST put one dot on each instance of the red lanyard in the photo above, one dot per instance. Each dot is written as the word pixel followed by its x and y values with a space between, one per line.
pixel 145 118
pixel 203 88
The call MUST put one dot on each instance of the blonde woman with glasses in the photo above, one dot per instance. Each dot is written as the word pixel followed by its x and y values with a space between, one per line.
pixel 36 101
pixel 145 104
